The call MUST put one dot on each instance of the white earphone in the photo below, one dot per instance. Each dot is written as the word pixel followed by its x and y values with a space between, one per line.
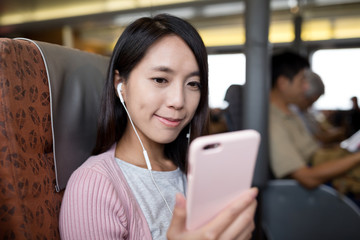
pixel 118 88
pixel 147 160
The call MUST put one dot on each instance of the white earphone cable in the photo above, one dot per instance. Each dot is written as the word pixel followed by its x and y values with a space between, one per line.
pixel 147 160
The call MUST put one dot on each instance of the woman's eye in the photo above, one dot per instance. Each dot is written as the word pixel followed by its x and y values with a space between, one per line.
pixel 159 80
pixel 195 85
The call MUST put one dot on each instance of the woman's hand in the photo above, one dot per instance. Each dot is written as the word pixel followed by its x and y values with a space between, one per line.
pixel 234 222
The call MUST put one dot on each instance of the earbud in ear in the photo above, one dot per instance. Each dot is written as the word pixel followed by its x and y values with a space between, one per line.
pixel 118 88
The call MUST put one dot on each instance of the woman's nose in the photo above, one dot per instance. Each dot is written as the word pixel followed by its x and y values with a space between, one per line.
pixel 176 97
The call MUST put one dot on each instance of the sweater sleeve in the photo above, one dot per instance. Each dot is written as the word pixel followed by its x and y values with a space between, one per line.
pixel 91 208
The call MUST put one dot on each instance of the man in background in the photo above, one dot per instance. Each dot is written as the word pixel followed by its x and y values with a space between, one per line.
pixel 292 147
pixel 315 122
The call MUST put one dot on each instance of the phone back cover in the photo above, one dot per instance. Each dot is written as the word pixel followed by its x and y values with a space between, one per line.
pixel 218 175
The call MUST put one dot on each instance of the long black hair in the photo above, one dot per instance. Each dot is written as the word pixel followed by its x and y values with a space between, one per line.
pixel 128 52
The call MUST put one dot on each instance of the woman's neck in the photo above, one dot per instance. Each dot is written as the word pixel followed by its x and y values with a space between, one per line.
pixel 129 150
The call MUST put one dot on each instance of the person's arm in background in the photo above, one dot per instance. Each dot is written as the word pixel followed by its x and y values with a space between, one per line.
pixel 311 177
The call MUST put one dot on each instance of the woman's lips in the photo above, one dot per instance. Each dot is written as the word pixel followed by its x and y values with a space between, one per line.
pixel 169 122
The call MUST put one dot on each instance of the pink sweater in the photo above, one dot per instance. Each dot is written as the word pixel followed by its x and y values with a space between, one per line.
pixel 98 203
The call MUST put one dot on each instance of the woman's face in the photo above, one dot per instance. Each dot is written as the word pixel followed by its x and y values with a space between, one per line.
pixel 163 90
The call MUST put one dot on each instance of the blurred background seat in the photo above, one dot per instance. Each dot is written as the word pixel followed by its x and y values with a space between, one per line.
pixel 49 100
pixel 290 211
pixel 234 112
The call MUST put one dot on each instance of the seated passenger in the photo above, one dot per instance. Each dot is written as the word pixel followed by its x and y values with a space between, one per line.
pixel 354 117
pixel 158 75
pixel 217 122
pixel 315 122
pixel 291 146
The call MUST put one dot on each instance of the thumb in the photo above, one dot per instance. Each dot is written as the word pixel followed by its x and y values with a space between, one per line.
pixel 177 224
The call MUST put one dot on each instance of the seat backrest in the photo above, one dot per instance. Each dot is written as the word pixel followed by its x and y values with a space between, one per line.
pixel 32 100
pixel 28 202
pixel 76 81
pixel 290 211
pixel 234 113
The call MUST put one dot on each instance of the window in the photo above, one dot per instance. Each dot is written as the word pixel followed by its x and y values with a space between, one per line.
pixel 340 72
pixel 224 70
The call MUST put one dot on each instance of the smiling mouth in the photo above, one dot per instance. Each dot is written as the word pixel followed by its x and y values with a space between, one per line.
pixel 169 122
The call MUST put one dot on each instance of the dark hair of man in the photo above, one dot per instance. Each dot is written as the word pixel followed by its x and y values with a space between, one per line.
pixel 128 52
pixel 287 64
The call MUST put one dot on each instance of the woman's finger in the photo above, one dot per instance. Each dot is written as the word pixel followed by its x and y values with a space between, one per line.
pixel 217 226
pixel 245 236
pixel 243 224
pixel 177 224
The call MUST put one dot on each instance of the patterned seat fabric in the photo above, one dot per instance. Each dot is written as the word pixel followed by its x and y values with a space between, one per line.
pixel 29 204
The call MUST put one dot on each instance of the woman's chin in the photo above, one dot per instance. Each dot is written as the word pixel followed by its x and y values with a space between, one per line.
pixel 166 140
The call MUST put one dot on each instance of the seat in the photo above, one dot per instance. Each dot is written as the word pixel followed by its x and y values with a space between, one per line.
pixel 234 112
pixel 49 101
pixel 290 211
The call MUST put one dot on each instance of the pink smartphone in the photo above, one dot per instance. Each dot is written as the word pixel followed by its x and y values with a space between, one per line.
pixel 221 167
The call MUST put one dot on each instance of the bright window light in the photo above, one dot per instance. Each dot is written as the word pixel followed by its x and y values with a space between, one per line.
pixel 340 72
pixel 224 70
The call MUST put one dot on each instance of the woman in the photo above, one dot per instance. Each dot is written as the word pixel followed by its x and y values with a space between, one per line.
pixel 156 95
